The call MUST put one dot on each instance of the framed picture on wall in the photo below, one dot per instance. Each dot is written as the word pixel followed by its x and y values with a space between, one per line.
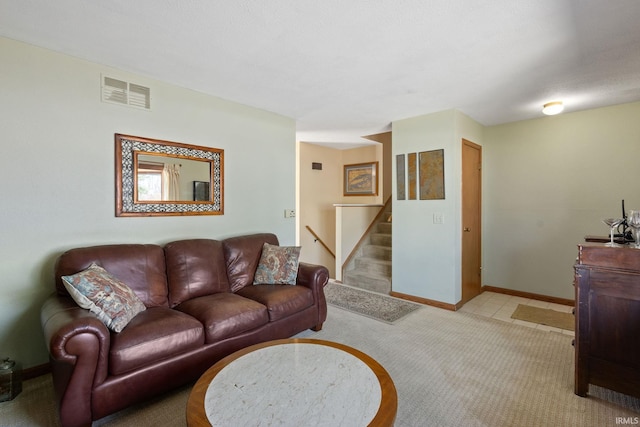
pixel 361 179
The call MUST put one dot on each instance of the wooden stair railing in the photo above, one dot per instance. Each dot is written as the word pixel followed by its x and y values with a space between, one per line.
pixel 318 239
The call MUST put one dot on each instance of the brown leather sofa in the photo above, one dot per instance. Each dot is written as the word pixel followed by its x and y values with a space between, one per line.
pixel 200 306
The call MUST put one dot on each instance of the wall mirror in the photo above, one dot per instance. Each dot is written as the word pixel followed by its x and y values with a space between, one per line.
pixel 163 178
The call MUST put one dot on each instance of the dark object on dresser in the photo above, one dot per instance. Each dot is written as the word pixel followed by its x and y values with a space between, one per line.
pixel 607 344
pixel 201 305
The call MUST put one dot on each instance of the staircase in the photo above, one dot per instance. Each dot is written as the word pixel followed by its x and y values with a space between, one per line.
pixel 370 267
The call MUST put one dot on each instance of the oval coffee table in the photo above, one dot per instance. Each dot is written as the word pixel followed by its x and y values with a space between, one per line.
pixel 294 382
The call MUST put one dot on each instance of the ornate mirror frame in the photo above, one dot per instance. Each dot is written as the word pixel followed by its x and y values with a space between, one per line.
pixel 128 147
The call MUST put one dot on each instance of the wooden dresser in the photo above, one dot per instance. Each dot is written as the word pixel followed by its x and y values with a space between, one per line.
pixel 607 344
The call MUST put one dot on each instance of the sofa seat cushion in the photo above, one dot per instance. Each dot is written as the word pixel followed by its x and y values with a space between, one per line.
pixel 153 335
pixel 281 300
pixel 225 314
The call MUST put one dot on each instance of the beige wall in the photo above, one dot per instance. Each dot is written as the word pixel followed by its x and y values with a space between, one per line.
pixel 57 171
pixel 426 255
pixel 369 153
pixel 385 139
pixel 549 182
pixel 320 190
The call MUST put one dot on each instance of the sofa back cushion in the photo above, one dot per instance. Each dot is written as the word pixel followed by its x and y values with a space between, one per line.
pixel 140 267
pixel 242 255
pixel 195 267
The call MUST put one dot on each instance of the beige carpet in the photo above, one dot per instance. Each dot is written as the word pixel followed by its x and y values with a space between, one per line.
pixel 545 316
pixel 450 369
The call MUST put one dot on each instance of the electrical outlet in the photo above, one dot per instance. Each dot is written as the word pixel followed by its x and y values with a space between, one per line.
pixel 289 213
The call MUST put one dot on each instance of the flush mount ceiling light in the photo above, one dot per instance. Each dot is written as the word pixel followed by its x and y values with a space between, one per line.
pixel 551 108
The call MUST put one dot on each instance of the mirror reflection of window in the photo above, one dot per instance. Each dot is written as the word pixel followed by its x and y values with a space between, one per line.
pixel 165 179
pixel 150 181
pixel 158 181
pixel 171 182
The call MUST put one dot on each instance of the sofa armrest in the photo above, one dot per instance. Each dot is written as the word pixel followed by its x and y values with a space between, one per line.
pixel 315 277
pixel 312 275
pixel 78 344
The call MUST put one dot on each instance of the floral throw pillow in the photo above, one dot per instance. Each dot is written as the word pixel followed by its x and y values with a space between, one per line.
pixel 112 301
pixel 278 265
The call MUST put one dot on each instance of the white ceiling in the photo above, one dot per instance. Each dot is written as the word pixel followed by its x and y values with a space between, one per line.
pixel 347 68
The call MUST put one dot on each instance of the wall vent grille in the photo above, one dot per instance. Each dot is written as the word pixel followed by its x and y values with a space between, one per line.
pixel 124 93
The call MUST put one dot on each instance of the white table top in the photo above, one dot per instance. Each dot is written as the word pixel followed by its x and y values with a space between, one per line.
pixel 296 384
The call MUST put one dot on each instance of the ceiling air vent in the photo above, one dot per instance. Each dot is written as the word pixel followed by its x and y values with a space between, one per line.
pixel 124 93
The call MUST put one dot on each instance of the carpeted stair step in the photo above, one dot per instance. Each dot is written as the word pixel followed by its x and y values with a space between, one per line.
pixel 381 239
pixel 374 266
pixel 384 227
pixel 365 280
pixel 370 269
pixel 376 251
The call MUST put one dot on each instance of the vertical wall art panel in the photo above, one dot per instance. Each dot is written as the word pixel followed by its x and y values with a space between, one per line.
pixel 432 175
pixel 412 170
pixel 400 177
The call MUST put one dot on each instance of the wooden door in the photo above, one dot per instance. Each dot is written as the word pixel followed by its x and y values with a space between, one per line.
pixel 471 220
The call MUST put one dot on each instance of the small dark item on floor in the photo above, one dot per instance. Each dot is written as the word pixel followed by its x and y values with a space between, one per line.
pixel 10 379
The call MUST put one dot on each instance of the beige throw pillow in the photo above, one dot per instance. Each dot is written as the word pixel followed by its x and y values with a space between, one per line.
pixel 112 301
pixel 278 265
